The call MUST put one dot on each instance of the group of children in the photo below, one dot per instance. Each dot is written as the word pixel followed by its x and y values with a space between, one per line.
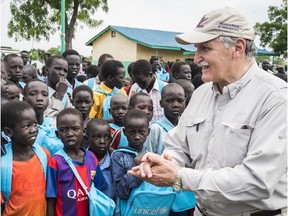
pixel 88 124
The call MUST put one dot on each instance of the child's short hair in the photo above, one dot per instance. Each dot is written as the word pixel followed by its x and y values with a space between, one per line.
pixel 129 80
pixel 5 63
pixel 152 59
pixel 81 78
pixel 186 84
pixel 96 122
pixel 195 69
pixel 103 57
pixel 110 68
pixel 135 114
pixel 118 95
pixel 130 67
pixel 197 81
pixel 93 70
pixel 174 86
pixel 69 111
pixel 70 52
pixel 51 59
pixel 84 60
pixel 24 51
pixel 134 98
pixel 11 111
pixel 177 66
pixel 4 98
pixel 8 57
pixel 82 88
pixel 9 83
pixel 25 90
pixel 141 66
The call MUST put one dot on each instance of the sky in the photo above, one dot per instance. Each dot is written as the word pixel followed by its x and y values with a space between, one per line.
pixel 170 15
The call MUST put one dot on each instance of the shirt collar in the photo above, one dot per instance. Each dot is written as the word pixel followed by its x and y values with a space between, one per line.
pixel 155 85
pixel 105 87
pixel 165 119
pixel 105 162
pixel 236 86
pixel 51 91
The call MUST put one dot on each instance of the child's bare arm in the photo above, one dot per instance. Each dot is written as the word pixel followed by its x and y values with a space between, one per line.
pixel 51 206
pixel 137 159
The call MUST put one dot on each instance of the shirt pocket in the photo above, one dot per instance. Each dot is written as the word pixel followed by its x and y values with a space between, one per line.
pixel 195 123
pixel 236 141
pixel 197 136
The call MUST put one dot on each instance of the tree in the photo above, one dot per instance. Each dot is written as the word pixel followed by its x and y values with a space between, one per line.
pixel 274 32
pixel 55 50
pixel 36 54
pixel 37 19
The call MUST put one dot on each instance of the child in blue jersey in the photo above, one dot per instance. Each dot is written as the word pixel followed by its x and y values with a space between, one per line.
pixel 136 129
pixel 4 138
pixel 139 101
pixel 15 69
pixel 64 194
pixel 118 108
pixel 99 138
pixel 142 101
pixel 173 103
pixel 36 94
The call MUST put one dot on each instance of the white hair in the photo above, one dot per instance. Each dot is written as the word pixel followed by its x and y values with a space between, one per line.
pixel 228 41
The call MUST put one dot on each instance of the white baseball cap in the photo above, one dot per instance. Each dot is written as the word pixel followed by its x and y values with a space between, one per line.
pixel 225 21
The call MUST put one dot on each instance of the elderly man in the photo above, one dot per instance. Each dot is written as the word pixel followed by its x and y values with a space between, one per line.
pixel 230 144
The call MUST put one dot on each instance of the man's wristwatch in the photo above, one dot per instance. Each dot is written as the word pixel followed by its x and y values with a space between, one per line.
pixel 177 182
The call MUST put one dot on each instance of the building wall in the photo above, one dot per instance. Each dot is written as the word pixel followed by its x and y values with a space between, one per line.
pixel 128 51
pixel 119 47
pixel 144 52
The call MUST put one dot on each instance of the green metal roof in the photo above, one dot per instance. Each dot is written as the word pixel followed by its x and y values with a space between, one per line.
pixel 264 52
pixel 155 39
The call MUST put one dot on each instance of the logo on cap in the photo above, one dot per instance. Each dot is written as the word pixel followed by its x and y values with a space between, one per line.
pixel 200 24
pixel 229 26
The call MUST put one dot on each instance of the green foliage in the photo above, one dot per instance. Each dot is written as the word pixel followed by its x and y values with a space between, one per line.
pixel 276 60
pixel 36 54
pixel 37 19
pixel 55 50
pixel 30 20
pixel 279 61
pixel 274 32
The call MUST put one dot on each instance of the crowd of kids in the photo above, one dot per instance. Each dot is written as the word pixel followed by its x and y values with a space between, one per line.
pixel 101 119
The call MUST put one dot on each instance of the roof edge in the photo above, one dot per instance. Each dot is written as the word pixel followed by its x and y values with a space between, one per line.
pixel 89 42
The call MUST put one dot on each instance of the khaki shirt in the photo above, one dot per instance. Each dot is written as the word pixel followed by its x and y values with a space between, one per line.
pixel 236 144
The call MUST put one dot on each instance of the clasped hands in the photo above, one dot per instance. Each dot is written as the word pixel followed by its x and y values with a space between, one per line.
pixel 156 169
